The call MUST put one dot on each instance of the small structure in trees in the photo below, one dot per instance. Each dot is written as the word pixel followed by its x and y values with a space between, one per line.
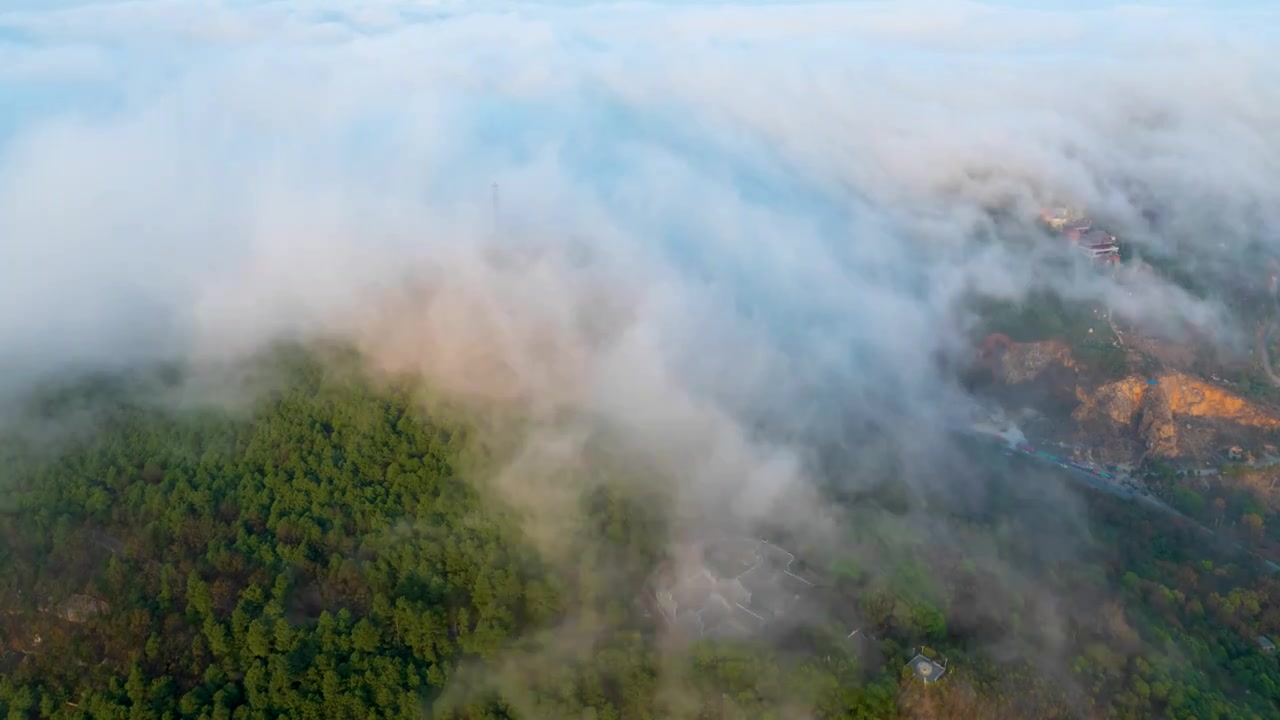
pixel 1265 644
pixel 926 668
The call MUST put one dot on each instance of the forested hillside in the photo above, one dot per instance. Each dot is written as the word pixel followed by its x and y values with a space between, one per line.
pixel 327 554
pixel 320 558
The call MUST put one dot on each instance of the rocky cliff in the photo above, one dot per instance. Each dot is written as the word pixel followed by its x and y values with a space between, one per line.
pixel 1168 414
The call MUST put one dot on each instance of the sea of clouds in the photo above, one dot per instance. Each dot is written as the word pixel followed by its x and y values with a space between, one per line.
pixel 687 221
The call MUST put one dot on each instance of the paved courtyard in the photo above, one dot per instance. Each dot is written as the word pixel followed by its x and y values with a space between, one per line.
pixel 729 587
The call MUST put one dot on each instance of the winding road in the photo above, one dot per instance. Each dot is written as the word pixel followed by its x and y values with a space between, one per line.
pixel 1114 486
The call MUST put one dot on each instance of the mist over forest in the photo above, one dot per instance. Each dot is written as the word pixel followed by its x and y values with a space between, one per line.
pixel 418 359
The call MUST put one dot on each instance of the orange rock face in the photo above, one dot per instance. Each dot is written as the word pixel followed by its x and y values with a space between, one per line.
pixel 1192 397
pixel 1119 401
pixel 1156 412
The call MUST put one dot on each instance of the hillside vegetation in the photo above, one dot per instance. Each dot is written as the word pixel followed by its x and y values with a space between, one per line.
pixel 330 555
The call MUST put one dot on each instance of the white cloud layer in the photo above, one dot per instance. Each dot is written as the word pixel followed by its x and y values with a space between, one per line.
pixel 707 212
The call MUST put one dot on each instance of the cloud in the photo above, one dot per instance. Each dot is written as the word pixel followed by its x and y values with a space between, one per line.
pixel 808 178
pixel 728 233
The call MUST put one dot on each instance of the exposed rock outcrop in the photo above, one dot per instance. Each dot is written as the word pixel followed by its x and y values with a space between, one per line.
pixel 1192 397
pixel 1118 401
pixel 1023 362
pixel 1158 428
pixel 1170 415
pixel 78 608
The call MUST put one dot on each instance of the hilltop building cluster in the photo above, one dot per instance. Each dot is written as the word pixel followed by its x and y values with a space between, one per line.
pixel 1072 225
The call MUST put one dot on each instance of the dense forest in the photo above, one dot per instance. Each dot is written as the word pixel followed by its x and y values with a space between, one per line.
pixel 329 552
